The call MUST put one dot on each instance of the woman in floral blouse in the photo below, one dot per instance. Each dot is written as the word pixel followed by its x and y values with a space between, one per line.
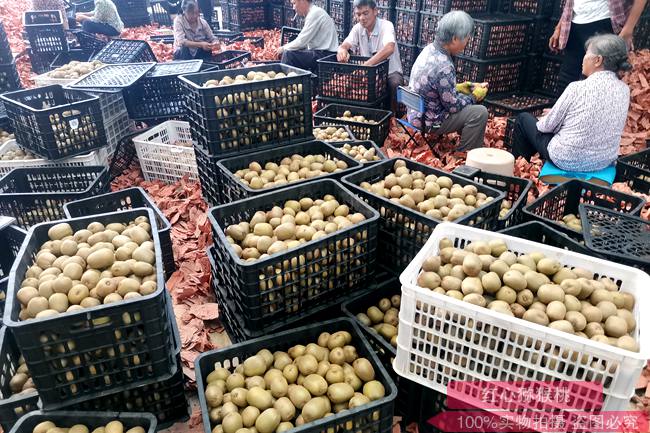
pixel 103 20
pixel 434 77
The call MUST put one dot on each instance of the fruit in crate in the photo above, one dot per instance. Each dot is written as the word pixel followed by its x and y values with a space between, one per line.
pixel 383 318
pixel 360 152
pixel 347 115
pixel 249 77
pixel 114 426
pixel 506 205
pixel 534 288
pixel 100 264
pixel 274 392
pixel 75 69
pixel 21 382
pixel 183 143
pixel 282 229
pixel 572 221
pixel 288 170
pixel 331 133
pixel 17 154
pixel 5 135
pixel 437 197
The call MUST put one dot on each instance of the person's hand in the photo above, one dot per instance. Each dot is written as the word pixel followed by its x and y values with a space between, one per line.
pixel 279 51
pixel 628 36
pixel 342 55
pixel 479 91
pixel 465 88
pixel 554 41
pixel 206 46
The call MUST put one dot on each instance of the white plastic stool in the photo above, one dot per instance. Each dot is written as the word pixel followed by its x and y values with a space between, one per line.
pixel 496 161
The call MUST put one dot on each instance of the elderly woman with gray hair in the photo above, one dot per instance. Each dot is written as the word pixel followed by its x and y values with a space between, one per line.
pixel 193 37
pixel 434 77
pixel 582 131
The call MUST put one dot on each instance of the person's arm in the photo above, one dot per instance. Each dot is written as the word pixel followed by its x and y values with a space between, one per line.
pixel 308 32
pixel 554 119
pixel 180 38
pixel 351 42
pixel 389 44
pixel 627 32
pixel 450 98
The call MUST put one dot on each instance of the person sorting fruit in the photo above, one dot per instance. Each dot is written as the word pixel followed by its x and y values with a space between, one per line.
pixel 103 20
pixel 375 38
pixel 582 19
pixel 582 131
pixel 447 108
pixel 193 37
pixel 316 40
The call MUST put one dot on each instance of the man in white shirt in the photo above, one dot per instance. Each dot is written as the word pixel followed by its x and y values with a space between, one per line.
pixel 375 38
pixel 316 40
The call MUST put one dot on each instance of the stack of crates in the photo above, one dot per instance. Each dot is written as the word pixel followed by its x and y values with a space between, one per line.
pixel 340 11
pixel 46 38
pixel 407 32
pixel 134 13
pixel 9 78
pixel 275 14
pixel 241 15
pixel 241 118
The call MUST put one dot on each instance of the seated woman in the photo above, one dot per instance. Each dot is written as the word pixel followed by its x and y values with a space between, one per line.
pixel 434 77
pixel 193 37
pixel 103 20
pixel 582 131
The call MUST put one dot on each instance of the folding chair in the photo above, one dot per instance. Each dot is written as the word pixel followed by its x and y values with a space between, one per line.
pixel 414 101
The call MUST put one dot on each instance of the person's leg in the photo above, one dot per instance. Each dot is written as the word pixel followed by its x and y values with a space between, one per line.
pixel 395 80
pixel 527 140
pixel 91 26
pixel 471 122
pixel 183 54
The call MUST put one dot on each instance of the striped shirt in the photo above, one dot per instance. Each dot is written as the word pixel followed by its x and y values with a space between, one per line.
pixel 587 120
pixel 619 11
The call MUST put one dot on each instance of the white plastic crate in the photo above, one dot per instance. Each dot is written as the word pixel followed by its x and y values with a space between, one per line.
pixel 116 129
pixel 112 105
pixel 92 158
pixel 160 158
pixel 45 80
pixel 442 339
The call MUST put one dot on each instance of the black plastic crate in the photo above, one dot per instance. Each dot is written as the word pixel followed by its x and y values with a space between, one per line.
pixel 322 102
pixel 288 34
pixel 159 95
pixel 509 133
pixel 91 419
pixel 352 81
pixel 90 41
pixel 444 6
pixel 166 400
pixel 66 57
pixel 125 199
pixel 209 177
pixel 227 36
pixel 159 14
pixel 407 26
pixel 403 231
pixel 120 345
pixel 54 122
pixel 45 31
pixel 125 155
pixel 125 51
pixel 504 75
pixel 408 54
pixel 37 194
pixel 271 111
pixel 11 237
pixel 412 5
pixel 275 17
pixel 511 104
pixel 565 198
pixel 620 238
pixel 541 233
pixel 12 407
pixel 428 25
pixel 9 78
pixel 165 39
pixel 268 303
pixel 5 50
pixel 540 33
pixel 233 189
pixel 515 188
pixel 362 131
pixel 340 13
pixel 527 7
pixel 133 13
pixel 497 36
pixel 543 74
pixel 246 16
pixel 41 61
pixel 229 59
pixel 376 416
pixel 634 169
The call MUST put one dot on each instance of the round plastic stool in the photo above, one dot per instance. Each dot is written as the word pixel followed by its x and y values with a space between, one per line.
pixel 496 161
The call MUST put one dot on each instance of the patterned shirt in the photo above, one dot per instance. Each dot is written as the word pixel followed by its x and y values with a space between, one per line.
pixel 106 12
pixel 184 31
pixel 587 120
pixel 434 77
pixel 619 11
